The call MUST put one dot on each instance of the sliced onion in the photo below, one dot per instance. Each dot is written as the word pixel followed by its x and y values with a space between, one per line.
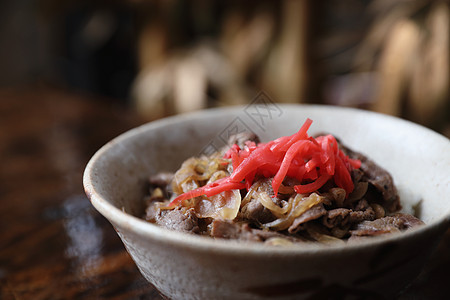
pixel 217 175
pixel 251 192
pixel 322 237
pixel 184 174
pixel 221 206
pixel 189 185
pixel 196 169
pixel 205 168
pixel 233 203
pixel 267 202
pixel 300 204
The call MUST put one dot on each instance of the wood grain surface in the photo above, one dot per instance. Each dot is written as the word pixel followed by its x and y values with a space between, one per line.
pixel 53 244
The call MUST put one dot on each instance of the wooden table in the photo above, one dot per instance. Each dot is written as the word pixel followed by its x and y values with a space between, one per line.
pixel 53 244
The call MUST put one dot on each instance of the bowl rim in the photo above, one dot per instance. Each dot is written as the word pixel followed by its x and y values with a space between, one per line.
pixel 143 228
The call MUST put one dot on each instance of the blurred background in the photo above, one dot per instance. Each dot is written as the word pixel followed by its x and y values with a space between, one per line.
pixel 76 73
pixel 160 58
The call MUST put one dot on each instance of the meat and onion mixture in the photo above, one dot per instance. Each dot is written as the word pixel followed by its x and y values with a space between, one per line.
pixel 294 189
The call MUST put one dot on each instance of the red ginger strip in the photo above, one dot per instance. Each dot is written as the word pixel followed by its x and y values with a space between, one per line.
pixel 211 189
pixel 313 186
pixel 298 156
pixel 287 160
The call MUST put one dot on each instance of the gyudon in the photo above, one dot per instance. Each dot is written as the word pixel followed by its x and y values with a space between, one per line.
pixel 296 188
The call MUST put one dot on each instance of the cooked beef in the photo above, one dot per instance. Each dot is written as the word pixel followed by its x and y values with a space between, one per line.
pixel 362 215
pixel 336 217
pixel 163 181
pixel 340 217
pixel 243 232
pixel 311 214
pixel 231 230
pixel 362 205
pixel 394 223
pixel 179 219
pixel 378 177
pixel 379 210
pixel 359 191
pixel 356 174
pixel 256 212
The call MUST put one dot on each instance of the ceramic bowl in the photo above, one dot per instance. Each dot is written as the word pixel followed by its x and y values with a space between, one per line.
pixel 185 266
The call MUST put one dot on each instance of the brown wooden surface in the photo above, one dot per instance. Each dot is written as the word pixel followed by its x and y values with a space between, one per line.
pixel 53 244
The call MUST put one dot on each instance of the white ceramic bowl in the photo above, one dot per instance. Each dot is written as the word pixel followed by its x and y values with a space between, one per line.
pixel 184 266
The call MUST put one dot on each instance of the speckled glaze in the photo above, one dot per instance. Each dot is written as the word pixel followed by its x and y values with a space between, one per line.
pixel 184 266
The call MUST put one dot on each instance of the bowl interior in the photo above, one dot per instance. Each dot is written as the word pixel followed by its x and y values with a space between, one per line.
pixel 417 158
